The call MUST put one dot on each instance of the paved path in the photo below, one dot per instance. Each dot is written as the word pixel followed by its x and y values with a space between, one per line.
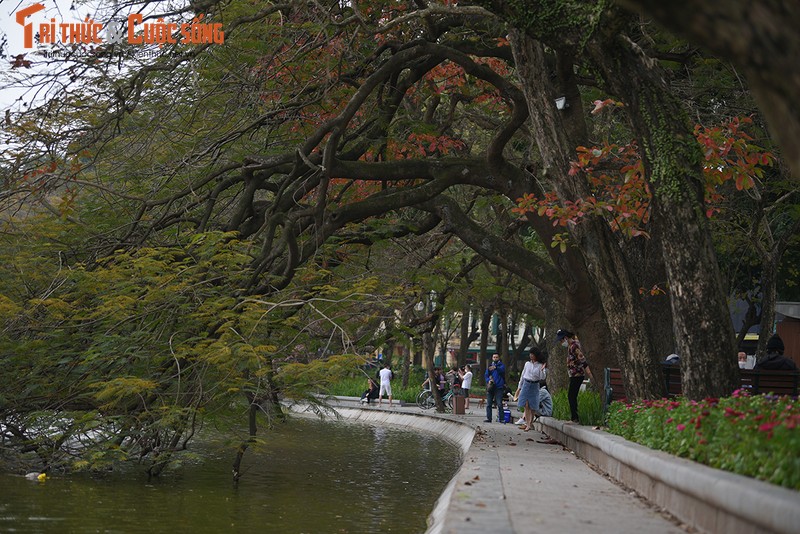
pixel 512 482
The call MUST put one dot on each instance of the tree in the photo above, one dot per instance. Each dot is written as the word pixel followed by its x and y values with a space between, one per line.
pixel 322 132
pixel 670 165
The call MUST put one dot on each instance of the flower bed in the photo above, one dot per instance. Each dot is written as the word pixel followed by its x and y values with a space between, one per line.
pixel 756 436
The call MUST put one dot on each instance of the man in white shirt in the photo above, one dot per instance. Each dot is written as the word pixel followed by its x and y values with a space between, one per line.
pixel 386 385
pixel 466 384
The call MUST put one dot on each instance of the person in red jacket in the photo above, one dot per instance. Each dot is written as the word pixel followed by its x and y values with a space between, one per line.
pixel 577 367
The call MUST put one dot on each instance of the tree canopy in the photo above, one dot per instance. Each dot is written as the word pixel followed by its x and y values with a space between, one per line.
pixel 208 222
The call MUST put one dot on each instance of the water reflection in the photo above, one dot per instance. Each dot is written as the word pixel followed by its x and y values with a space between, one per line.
pixel 309 477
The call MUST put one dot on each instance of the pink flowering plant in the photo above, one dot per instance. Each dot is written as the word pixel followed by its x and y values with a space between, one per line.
pixel 756 436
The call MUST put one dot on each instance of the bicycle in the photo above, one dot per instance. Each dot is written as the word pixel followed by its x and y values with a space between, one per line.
pixel 426 401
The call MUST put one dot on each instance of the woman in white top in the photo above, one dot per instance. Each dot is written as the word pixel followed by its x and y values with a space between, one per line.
pixel 528 390
pixel 466 383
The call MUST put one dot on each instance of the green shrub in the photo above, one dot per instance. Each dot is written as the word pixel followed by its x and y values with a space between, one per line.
pixel 755 436
pixel 354 386
pixel 590 407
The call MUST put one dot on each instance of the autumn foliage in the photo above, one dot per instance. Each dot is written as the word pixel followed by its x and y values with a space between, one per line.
pixel 620 193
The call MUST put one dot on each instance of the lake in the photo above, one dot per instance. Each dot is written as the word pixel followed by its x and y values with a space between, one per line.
pixel 309 477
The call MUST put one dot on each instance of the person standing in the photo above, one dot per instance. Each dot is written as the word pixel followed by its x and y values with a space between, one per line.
pixel 386 384
pixel 466 384
pixel 495 388
pixel 577 367
pixel 528 388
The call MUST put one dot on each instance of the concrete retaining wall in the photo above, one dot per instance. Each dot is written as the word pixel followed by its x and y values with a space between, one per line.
pixel 708 499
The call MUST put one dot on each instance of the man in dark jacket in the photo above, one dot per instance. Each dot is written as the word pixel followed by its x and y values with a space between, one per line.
pixel 495 388
pixel 775 360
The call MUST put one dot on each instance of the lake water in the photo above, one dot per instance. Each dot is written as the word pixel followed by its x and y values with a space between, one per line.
pixel 309 477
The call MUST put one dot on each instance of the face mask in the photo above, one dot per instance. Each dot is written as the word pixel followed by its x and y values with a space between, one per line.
pixel 564 343
pixel 741 365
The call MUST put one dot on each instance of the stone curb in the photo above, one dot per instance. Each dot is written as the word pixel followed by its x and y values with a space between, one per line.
pixel 705 498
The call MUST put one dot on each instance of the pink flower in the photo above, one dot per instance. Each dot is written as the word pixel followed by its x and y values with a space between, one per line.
pixel 681 428
pixel 767 427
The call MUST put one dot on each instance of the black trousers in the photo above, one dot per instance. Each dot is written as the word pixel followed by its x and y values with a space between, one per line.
pixel 574 388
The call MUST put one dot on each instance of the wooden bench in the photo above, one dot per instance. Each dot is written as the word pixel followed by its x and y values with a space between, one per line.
pixel 755 381
pixel 763 381
pixel 615 388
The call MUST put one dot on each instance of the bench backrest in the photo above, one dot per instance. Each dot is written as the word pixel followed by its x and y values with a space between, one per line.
pixel 764 381
pixel 755 381
pixel 614 386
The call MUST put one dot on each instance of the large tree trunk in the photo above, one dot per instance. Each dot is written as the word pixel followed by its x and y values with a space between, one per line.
pixel 252 424
pixel 647 261
pixel 428 349
pixel 406 365
pixel 607 265
pixel 464 338
pixel 580 307
pixel 671 158
pixel 486 322
pixel 502 345
pixel 557 376
pixel 769 275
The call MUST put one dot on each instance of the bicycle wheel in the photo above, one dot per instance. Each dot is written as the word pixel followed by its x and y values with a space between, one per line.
pixel 425 400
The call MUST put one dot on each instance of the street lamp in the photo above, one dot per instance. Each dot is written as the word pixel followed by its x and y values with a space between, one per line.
pixel 429 303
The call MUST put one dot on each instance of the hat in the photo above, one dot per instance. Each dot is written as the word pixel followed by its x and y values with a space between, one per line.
pixel 775 344
pixel 673 358
pixel 561 334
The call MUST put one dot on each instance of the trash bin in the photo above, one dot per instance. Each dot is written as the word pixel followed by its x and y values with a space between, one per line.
pixel 458 404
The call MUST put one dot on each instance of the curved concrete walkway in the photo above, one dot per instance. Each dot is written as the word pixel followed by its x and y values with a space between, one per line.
pixel 529 482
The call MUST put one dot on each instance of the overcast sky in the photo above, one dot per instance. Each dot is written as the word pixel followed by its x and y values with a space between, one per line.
pixel 63 11
pixel 13 35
